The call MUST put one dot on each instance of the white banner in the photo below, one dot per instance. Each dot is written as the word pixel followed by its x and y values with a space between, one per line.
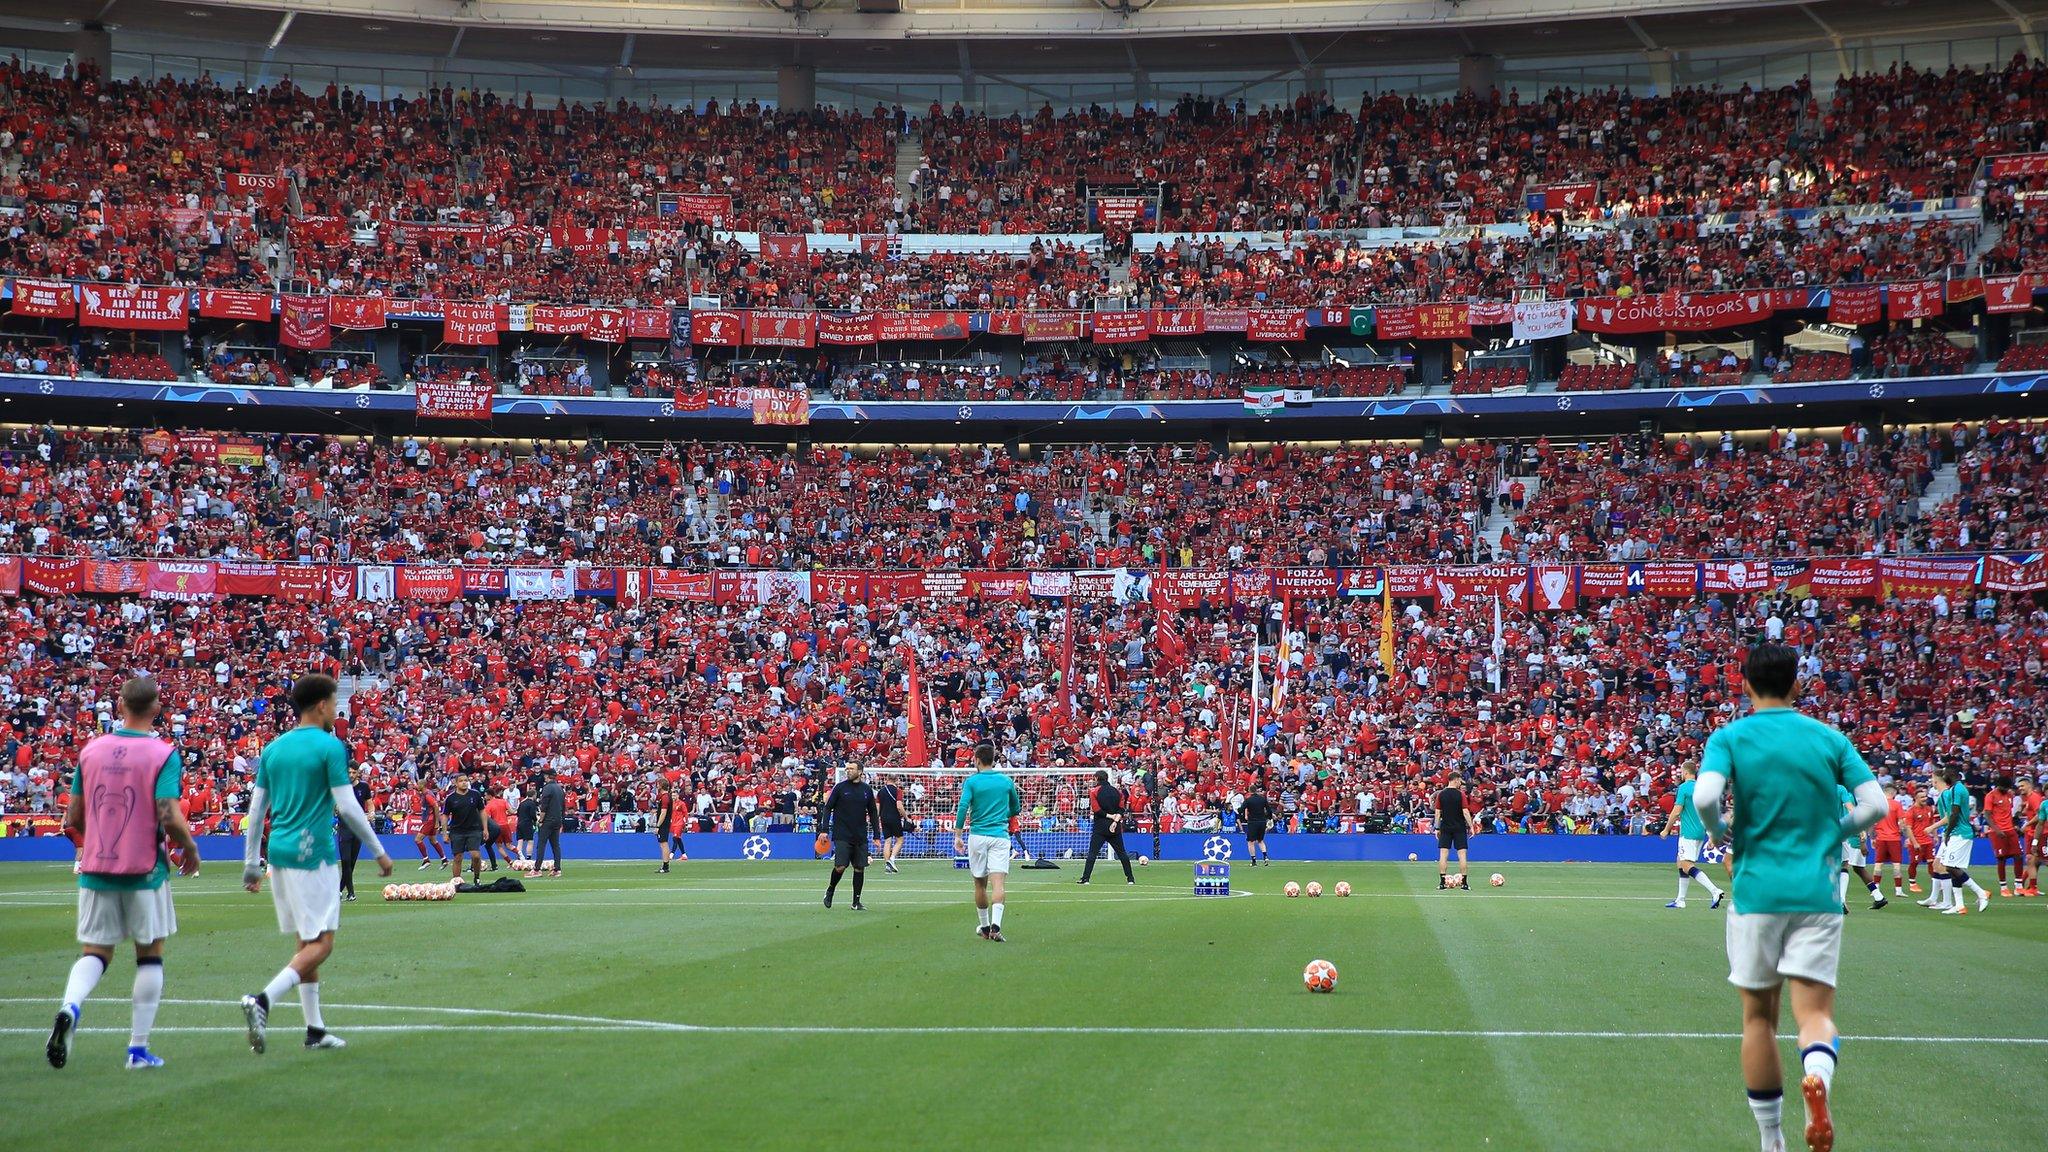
pixel 376 582
pixel 1544 319
pixel 538 584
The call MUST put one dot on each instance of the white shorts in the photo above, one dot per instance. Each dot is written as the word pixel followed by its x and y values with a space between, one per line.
pixel 107 918
pixel 1764 948
pixel 1852 855
pixel 1689 850
pixel 1955 852
pixel 308 899
pixel 986 854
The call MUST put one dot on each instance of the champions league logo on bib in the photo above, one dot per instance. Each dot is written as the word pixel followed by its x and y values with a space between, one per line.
pixel 756 848
pixel 1216 848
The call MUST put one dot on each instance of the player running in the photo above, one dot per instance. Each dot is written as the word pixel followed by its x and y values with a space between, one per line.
pixel 1887 843
pixel 426 834
pixel 1920 821
pixel 302 785
pixel 1952 806
pixel 848 818
pixel 989 804
pixel 670 819
pixel 124 890
pixel 2034 823
pixel 1692 838
pixel 1784 769
pixel 2000 810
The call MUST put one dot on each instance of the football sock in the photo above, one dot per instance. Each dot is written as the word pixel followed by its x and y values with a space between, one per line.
pixel 982 915
pixel 1940 893
pixel 995 915
pixel 1842 888
pixel 149 992
pixel 1684 884
pixel 1704 882
pixel 85 974
pixel 283 982
pixel 857 878
pixel 1768 1107
pixel 1975 888
pixel 309 1003
pixel 1876 888
pixel 2001 873
pixel 833 886
pixel 1819 1060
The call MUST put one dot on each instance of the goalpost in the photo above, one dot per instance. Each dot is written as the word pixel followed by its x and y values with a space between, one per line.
pixel 1053 826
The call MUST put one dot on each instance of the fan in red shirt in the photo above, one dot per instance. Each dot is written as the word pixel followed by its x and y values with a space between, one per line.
pixel 498 831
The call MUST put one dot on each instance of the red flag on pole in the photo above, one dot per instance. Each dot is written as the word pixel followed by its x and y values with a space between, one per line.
pixel 1067 667
pixel 917 752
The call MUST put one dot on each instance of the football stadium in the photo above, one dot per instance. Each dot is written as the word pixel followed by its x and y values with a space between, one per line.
pixel 1024 574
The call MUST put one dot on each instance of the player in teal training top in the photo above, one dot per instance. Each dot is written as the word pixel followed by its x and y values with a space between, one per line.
pixel 1952 824
pixel 989 806
pixel 302 785
pixel 1692 837
pixel 1783 769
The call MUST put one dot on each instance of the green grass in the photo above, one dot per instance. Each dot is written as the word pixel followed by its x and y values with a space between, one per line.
pixel 746 949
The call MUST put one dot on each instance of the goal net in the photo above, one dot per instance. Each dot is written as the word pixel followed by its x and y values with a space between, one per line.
pixel 1053 826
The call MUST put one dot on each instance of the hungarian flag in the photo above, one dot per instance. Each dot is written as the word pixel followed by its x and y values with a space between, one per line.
pixel 918 749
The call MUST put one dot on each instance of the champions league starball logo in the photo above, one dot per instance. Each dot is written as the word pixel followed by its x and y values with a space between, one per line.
pixel 1216 848
pixel 756 848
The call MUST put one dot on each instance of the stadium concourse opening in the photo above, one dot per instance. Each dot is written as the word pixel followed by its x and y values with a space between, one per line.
pixel 780 490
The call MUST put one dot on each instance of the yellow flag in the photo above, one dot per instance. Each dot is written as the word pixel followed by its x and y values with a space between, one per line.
pixel 1387 625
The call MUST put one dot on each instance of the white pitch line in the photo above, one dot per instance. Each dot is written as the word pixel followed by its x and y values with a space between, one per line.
pixel 565 1022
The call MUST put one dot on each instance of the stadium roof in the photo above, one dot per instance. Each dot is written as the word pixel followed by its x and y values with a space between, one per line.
pixel 1021 36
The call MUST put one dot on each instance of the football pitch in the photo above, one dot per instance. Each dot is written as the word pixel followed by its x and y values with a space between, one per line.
pixel 721 1007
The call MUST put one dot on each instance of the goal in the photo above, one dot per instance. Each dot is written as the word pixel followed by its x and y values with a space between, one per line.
pixel 1054 825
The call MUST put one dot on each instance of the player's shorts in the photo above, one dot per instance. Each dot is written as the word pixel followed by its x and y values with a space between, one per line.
pixel 524 831
pixel 500 834
pixel 1456 841
pixel 1255 833
pixel 1955 852
pixel 1886 851
pixel 1689 850
pixel 892 829
pixel 1764 948
pixel 2005 844
pixel 108 918
pixel 850 853
pixel 1852 855
pixel 461 842
pixel 986 854
pixel 308 900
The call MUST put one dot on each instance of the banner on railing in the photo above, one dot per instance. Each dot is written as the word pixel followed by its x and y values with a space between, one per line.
pixel 457 398
pixel 49 299
pixel 134 306
pixel 782 406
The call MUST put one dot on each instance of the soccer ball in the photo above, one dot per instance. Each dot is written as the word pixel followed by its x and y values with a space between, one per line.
pixel 1314 888
pixel 391 891
pixel 1499 879
pixel 1292 889
pixel 1411 857
pixel 1144 861
pixel 1343 888
pixel 1320 976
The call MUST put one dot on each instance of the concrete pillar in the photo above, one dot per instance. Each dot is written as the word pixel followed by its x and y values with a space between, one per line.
pixel 1478 73
pixel 93 44
pixel 796 87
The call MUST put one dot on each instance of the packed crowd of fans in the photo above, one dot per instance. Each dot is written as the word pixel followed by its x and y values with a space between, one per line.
pixel 1577 725
pixel 463 195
